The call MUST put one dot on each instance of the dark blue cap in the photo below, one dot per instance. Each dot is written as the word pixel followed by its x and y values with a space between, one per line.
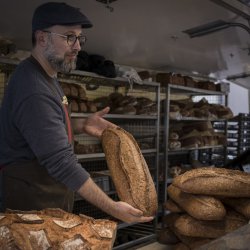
pixel 53 13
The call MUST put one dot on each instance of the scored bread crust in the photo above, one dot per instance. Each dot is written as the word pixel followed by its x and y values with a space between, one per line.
pixel 214 181
pixel 129 170
pixel 201 207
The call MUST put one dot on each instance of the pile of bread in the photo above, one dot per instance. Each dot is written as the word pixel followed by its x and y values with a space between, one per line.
pixel 193 135
pixel 187 108
pixel 118 102
pixel 205 204
pixel 127 104
pixel 54 229
pixel 78 101
pixel 178 79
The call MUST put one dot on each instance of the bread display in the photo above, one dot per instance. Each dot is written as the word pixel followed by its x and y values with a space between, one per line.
pixel 129 170
pixel 214 181
pixel 74 106
pixel 54 229
pixel 187 108
pixel 198 206
pixel 170 78
pixel 66 89
pixel 215 202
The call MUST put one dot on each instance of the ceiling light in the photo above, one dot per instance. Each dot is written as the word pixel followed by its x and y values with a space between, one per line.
pixel 213 27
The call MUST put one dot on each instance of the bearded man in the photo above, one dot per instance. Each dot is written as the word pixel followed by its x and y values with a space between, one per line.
pixel 38 166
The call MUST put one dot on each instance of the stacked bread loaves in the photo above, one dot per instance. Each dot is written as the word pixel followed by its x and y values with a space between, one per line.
pixel 78 101
pixel 54 229
pixel 205 204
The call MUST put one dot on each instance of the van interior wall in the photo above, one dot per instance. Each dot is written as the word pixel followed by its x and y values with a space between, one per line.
pixel 238 99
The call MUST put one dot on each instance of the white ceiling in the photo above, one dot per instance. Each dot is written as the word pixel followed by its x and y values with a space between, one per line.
pixel 148 34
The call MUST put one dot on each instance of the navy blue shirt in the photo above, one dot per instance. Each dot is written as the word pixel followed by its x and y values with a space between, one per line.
pixel 33 125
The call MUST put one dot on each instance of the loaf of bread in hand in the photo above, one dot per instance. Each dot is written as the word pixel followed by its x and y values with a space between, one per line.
pixel 129 170
pixel 214 181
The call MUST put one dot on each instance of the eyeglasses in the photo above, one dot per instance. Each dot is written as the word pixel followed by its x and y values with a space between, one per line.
pixel 71 39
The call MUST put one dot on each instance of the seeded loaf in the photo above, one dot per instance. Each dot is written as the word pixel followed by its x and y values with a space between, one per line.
pixel 54 229
pixel 200 207
pixel 214 181
pixel 129 170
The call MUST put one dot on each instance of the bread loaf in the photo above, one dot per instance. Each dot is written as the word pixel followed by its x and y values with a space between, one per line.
pixel 171 206
pixel 214 181
pixel 170 219
pixel 241 205
pixel 54 229
pixel 190 226
pixel 181 246
pixel 166 236
pixel 199 206
pixel 129 170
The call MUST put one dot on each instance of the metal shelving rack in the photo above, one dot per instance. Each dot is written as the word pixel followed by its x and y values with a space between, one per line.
pixel 143 127
pixel 238 135
pixel 171 89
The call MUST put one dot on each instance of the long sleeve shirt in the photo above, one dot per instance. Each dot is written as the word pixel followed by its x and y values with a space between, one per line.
pixel 33 125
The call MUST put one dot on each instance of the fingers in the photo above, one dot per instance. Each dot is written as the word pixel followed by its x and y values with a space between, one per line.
pixel 146 219
pixel 135 212
pixel 139 215
pixel 136 215
pixel 103 112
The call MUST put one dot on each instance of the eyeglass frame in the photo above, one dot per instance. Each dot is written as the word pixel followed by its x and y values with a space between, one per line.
pixel 68 37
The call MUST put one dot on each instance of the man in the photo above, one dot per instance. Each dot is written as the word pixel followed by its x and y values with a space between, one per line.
pixel 38 166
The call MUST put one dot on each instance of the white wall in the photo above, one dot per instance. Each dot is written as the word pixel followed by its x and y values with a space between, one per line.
pixel 238 99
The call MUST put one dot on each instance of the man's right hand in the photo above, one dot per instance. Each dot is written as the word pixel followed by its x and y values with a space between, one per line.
pixel 129 214
pixel 118 209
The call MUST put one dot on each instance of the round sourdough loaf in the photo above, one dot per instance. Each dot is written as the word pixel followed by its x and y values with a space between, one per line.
pixel 129 170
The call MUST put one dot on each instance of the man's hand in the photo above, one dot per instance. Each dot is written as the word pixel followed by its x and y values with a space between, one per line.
pixel 129 214
pixel 118 209
pixel 95 124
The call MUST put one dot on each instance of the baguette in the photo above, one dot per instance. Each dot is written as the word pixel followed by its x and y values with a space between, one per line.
pixel 129 170
pixel 200 207
pixel 214 181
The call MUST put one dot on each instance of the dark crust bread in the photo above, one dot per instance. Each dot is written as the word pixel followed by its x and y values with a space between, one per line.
pixel 129 170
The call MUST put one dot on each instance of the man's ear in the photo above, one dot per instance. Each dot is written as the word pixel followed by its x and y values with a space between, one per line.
pixel 41 38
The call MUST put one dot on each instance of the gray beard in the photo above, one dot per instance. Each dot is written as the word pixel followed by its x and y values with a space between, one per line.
pixel 57 63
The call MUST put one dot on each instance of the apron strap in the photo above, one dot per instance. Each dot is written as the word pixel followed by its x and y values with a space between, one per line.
pixel 68 124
